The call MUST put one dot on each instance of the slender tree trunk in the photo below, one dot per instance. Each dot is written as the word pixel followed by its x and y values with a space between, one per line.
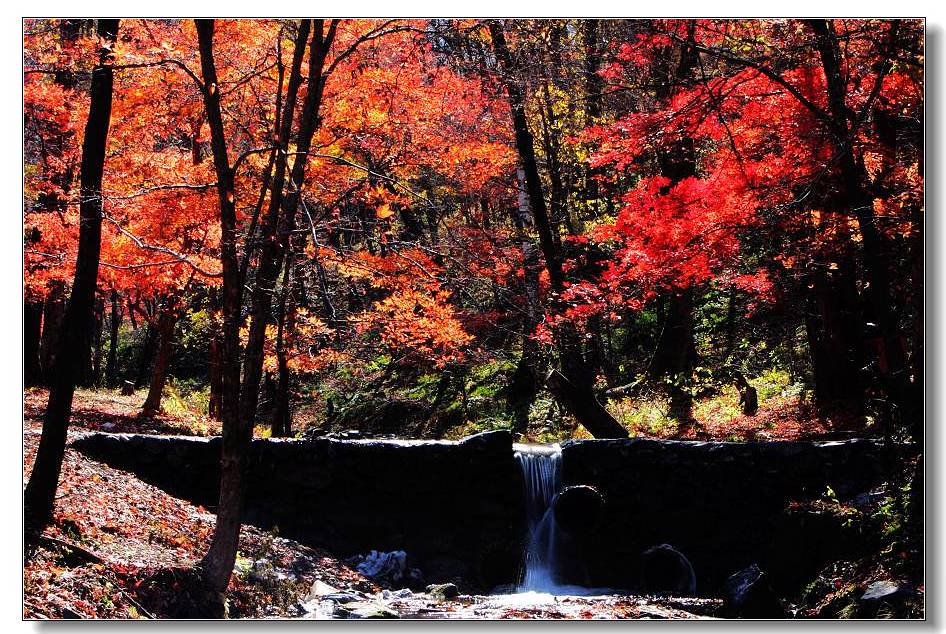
pixel 675 356
pixel 217 564
pixel 146 356
pixel 730 342
pixel 574 383
pixel 279 226
pixel 131 315
pixel 98 321
pixel 54 309
pixel 215 402
pixel 282 415
pixel 75 338
pixel 32 323
pixel 166 321
pixel 111 362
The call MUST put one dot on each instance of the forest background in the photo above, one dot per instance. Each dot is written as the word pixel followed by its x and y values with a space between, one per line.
pixel 660 391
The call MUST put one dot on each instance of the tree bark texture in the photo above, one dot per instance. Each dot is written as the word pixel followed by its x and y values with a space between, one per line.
pixel 75 337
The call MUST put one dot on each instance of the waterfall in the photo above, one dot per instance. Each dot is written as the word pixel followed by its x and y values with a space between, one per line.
pixel 542 473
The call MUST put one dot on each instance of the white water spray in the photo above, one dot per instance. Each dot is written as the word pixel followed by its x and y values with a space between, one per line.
pixel 542 472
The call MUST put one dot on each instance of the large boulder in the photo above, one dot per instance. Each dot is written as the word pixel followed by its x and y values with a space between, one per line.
pixel 748 595
pixel 665 570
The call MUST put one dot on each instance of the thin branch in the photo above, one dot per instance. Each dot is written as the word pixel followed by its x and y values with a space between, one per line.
pixel 158 249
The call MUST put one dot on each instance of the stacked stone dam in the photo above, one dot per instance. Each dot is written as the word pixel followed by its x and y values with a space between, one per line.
pixel 457 508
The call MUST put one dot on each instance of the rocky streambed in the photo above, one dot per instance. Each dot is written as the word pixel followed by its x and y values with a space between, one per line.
pixel 438 602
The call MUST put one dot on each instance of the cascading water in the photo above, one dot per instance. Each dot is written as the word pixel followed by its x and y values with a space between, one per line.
pixel 542 472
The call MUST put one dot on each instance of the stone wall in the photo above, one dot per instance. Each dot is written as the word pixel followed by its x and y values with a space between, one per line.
pixel 457 508
pixel 721 504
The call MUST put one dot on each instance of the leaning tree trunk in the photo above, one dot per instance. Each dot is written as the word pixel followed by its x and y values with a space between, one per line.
pixel 166 322
pixel 75 337
pixel 573 384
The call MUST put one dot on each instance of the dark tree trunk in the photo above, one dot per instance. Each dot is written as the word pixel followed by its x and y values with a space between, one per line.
pixel 215 402
pixel 573 385
pixel 675 356
pixel 75 337
pixel 166 321
pixel 131 315
pixel 217 565
pixel 523 386
pixel 54 309
pixel 730 344
pixel 146 356
pixel 98 321
pixel 524 383
pixel 111 362
pixel 834 339
pixel 282 414
pixel 278 227
pixel 32 322
pixel 855 198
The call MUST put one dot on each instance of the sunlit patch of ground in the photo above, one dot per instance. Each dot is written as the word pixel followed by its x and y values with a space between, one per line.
pixel 785 413
pixel 108 410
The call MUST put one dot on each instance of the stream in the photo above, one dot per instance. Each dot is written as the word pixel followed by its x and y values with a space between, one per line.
pixel 539 593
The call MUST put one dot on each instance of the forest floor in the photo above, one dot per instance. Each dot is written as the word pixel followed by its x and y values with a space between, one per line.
pixel 113 532
pixel 115 537
pixel 780 417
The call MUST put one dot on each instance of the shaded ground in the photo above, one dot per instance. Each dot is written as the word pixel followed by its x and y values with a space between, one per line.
pixel 112 532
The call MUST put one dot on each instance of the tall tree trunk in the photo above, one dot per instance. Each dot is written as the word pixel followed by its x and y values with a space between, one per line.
pixel 592 102
pixel 675 356
pixel 574 383
pixel 166 321
pixel 54 309
pixel 834 339
pixel 75 338
pixel 98 322
pixel 146 356
pixel 214 353
pixel 278 227
pixel 111 362
pixel 524 384
pixel 217 564
pixel 282 415
pixel 32 323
